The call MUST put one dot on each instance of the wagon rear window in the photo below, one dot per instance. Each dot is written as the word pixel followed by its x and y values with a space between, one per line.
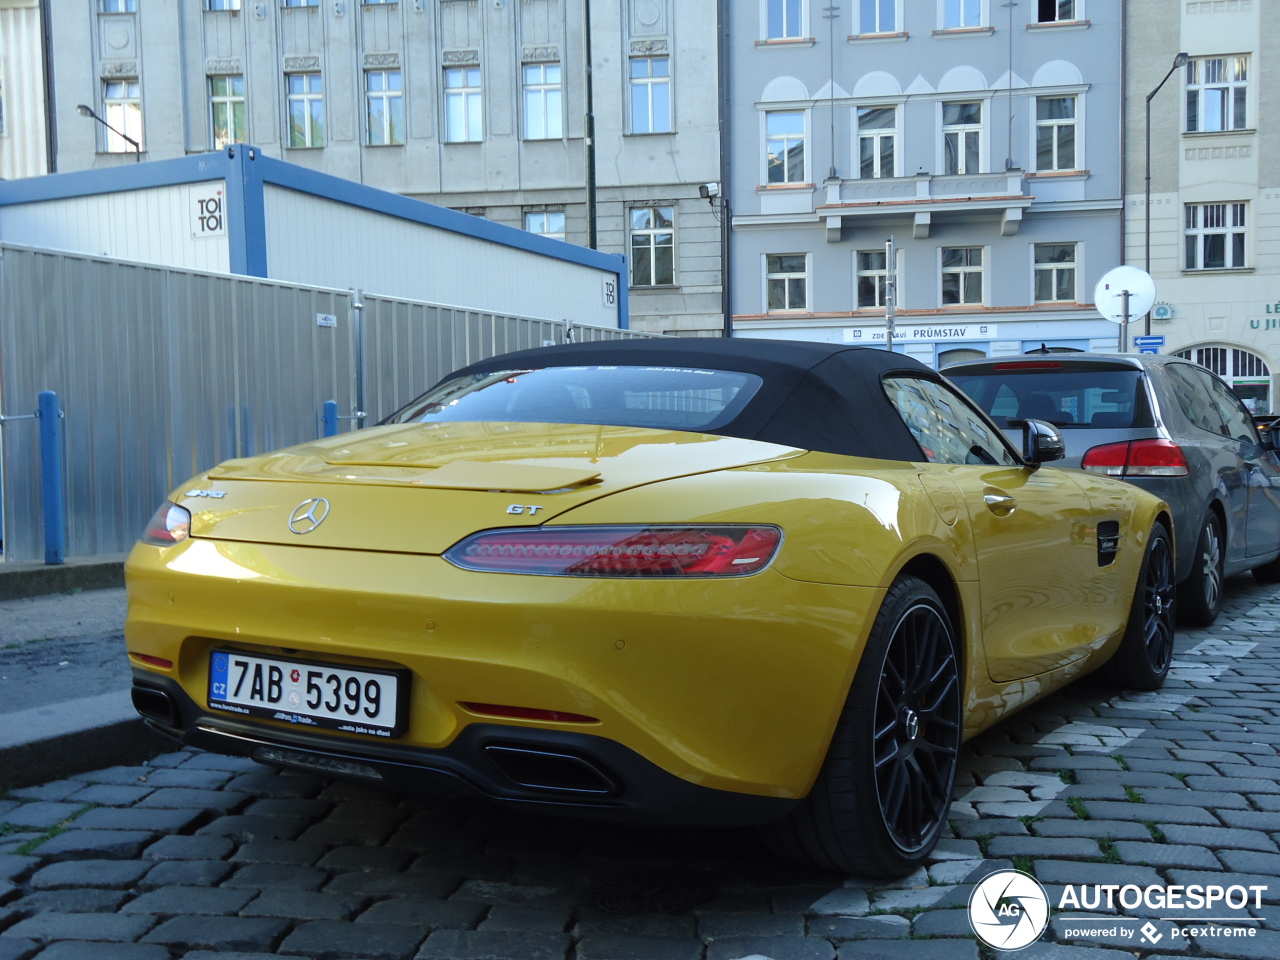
pixel 1066 398
pixel 669 398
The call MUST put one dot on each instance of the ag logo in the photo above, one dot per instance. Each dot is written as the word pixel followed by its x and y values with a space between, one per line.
pixel 1008 910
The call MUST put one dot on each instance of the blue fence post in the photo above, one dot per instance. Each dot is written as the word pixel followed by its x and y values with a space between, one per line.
pixel 330 418
pixel 55 528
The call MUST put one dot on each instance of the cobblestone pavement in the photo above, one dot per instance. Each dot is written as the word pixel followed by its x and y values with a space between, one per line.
pixel 197 855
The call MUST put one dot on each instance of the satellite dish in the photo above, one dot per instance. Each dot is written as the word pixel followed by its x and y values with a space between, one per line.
pixel 1108 295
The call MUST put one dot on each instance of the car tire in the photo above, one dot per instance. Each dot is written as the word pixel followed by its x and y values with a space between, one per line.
pixel 1200 595
pixel 1146 651
pixel 881 799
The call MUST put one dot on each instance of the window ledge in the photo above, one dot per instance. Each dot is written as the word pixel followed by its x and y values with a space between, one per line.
pixel 381 146
pixel 1057 174
pixel 655 133
pixel 659 287
pixel 1217 271
pixel 952 32
pixel 877 37
pixel 462 143
pixel 1061 25
pixel 786 42
pixel 770 187
pixel 1197 134
pixel 318 146
pixel 961 307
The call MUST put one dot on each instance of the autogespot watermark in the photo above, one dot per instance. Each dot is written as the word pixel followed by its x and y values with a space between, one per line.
pixel 1009 910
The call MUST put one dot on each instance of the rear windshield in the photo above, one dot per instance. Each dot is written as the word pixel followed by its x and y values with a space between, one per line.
pixel 1064 397
pixel 668 398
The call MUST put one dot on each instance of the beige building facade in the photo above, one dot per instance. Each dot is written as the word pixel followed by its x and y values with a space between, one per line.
pixel 23 133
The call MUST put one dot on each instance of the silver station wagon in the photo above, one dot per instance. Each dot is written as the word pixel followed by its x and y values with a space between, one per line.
pixel 1163 424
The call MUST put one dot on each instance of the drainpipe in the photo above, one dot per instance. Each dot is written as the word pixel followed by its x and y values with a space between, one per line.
pixel 1124 129
pixel 726 170
pixel 50 105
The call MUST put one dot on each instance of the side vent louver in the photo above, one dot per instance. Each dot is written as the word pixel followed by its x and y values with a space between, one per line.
pixel 1108 542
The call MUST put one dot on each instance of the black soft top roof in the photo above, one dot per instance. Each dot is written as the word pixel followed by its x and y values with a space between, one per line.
pixel 817 396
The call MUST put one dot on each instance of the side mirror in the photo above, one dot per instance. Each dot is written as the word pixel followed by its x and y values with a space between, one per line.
pixel 1041 442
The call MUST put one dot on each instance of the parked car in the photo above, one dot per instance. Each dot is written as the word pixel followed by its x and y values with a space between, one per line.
pixel 1164 424
pixel 712 582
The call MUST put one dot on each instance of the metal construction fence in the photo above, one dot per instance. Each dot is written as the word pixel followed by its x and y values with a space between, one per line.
pixel 162 373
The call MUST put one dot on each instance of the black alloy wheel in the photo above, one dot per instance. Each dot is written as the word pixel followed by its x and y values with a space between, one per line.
pixel 1200 595
pixel 1146 651
pixel 917 728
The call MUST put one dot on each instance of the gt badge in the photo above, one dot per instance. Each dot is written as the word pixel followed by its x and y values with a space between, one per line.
pixel 530 508
pixel 308 515
pixel 212 494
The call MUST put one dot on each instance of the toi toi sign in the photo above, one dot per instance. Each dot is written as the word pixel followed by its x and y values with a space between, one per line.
pixel 208 211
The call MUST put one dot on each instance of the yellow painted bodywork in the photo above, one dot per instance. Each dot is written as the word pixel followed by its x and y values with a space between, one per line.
pixel 735 683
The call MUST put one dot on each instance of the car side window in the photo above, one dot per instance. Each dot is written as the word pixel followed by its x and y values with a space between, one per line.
pixel 1239 425
pixel 1193 396
pixel 945 425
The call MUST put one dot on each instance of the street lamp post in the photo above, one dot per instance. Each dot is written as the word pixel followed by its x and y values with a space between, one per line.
pixel 1178 61
pixel 86 111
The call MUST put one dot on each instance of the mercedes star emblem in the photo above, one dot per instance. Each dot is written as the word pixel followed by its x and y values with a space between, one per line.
pixel 308 515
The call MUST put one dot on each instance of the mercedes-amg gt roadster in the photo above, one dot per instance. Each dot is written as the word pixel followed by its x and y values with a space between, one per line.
pixel 716 582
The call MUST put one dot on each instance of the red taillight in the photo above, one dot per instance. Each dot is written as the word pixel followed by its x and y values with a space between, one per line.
pixel 623 551
pixel 527 713
pixel 151 661
pixel 169 525
pixel 1028 365
pixel 1136 458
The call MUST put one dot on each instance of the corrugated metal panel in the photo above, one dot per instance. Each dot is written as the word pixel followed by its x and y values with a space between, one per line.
pixel 162 373
pixel 23 150
pixel 310 240
pixel 157 227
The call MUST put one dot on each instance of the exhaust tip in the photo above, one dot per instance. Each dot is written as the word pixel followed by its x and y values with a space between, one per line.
pixel 155 705
pixel 550 770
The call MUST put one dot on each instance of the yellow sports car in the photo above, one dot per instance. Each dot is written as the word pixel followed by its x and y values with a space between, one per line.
pixel 696 581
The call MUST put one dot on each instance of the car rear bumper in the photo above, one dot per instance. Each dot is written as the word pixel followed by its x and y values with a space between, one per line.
pixel 556 771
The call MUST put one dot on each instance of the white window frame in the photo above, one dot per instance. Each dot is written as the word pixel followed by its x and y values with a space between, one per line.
pixel 881 275
pixel 964 7
pixel 308 98
pixel 117 6
pixel 388 98
pixel 765 141
pixel 877 134
pixel 963 270
pixel 648 85
pixel 292 4
pixel 807 277
pixel 1075 14
pixel 1197 85
pixel 542 223
pixel 228 102
pixel 1053 269
pixel 1229 220
pixel 547 97
pixel 1075 122
pixel 217 5
pixel 766 7
pixel 124 113
pixel 963 129
pixel 464 94
pixel 653 233
pixel 877 10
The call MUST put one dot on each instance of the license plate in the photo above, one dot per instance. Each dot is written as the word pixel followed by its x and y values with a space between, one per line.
pixel 309 694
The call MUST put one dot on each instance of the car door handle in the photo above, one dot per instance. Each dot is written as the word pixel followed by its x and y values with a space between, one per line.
pixel 1001 504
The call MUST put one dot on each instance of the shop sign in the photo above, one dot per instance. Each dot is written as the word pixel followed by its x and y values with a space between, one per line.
pixel 926 333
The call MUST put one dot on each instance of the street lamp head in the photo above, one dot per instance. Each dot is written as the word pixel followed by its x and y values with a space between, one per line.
pixel 84 110
pixel 1180 60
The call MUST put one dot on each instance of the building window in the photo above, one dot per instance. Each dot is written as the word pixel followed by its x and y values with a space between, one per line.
pixel 463 100
pixel 650 95
pixel 1055 272
pixel 961 13
pixel 784 146
pixel 962 137
pixel 543 110
pixel 1055 133
pixel 1055 11
pixel 1215 236
pixel 306 109
pixel 653 246
pixel 117 6
pixel 878 16
pixel 877 137
pixel 787 281
pixel 301 3
pixel 226 108
pixel 786 19
pixel 122 109
pixel 872 276
pixel 385 93
pixel 1248 374
pixel 961 275
pixel 1217 94
pixel 223 5
pixel 546 223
